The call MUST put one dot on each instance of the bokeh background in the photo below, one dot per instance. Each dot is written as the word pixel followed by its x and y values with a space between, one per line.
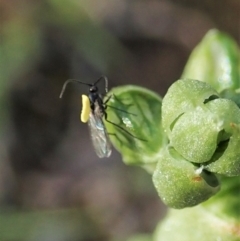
pixel 53 187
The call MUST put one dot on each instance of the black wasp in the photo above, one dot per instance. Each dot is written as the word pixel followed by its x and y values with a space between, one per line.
pixel 93 111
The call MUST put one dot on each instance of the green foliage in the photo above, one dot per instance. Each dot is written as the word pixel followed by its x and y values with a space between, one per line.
pixel 216 61
pixel 193 138
pixel 203 129
pixel 142 119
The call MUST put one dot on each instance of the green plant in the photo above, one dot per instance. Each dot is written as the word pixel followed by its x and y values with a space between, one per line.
pixel 192 142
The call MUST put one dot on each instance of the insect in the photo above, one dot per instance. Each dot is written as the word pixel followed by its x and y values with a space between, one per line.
pixel 93 112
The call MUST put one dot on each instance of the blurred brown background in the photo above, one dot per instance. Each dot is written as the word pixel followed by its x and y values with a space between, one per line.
pixel 53 187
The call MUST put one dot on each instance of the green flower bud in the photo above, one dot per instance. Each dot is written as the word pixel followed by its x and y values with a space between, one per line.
pixel 215 61
pixel 195 135
pixel 138 112
pixel 226 159
pixel 233 95
pixel 198 134
pixel 216 219
pixel 184 96
pixel 180 183
pixel 203 128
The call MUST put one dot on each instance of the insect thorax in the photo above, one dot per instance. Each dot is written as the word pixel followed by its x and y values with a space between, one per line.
pixel 98 109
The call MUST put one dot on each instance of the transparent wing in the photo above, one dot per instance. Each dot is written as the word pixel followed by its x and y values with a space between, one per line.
pixel 99 136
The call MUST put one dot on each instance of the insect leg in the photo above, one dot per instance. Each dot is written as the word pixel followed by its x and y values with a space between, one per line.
pixel 119 109
pixel 107 100
pixel 115 97
pixel 105 115
pixel 118 100
pixel 112 134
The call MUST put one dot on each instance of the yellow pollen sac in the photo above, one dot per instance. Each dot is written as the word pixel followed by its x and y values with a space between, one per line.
pixel 85 109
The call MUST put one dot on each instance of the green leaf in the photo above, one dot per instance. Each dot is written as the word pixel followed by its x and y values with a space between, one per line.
pixel 138 112
pixel 216 61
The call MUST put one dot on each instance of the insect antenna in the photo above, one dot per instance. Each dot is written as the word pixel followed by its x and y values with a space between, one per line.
pixel 106 82
pixel 74 81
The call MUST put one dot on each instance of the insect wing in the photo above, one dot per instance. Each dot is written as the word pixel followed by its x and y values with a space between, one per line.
pixel 99 136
